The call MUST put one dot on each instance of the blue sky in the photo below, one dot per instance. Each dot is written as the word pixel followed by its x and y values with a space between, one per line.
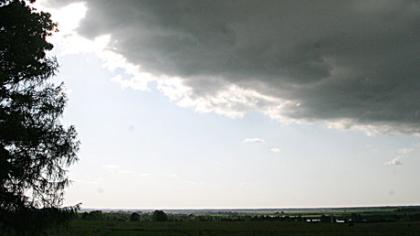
pixel 143 149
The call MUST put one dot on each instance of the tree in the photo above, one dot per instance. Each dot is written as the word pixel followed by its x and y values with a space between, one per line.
pixel 159 216
pixel 134 217
pixel 35 148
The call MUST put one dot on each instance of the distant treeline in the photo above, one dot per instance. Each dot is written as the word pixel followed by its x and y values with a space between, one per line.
pixel 399 214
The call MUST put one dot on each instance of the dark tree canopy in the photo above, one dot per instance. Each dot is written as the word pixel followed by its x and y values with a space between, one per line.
pixel 134 217
pixel 35 148
pixel 159 215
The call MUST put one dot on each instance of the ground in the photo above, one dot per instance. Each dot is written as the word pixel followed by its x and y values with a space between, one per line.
pixel 196 228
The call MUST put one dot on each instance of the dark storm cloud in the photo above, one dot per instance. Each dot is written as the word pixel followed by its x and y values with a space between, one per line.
pixel 338 60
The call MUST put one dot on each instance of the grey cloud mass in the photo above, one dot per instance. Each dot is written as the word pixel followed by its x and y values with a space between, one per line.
pixel 357 61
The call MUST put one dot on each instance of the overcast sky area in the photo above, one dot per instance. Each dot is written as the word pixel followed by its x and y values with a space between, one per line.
pixel 241 104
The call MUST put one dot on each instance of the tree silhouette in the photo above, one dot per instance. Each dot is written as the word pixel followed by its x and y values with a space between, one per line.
pixel 35 148
pixel 159 216
pixel 134 217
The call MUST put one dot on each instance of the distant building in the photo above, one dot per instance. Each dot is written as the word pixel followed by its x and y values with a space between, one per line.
pixel 313 220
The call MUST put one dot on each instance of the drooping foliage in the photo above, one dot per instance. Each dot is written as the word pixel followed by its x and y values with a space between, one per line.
pixel 35 147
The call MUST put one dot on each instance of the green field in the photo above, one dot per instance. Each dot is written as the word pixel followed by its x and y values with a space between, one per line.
pixel 193 228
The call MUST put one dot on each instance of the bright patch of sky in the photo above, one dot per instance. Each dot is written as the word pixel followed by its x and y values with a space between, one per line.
pixel 144 146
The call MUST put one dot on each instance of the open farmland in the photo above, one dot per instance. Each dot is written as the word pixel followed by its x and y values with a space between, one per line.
pixel 380 221
pixel 189 228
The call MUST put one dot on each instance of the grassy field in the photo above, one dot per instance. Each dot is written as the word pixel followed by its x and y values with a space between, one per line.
pixel 191 228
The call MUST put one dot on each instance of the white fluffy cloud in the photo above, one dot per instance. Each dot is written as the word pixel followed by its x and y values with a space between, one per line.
pixel 352 64
pixel 402 154
pixel 253 140
pixel 394 162
pixel 275 150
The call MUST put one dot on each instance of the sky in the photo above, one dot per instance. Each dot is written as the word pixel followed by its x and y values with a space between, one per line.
pixel 241 104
